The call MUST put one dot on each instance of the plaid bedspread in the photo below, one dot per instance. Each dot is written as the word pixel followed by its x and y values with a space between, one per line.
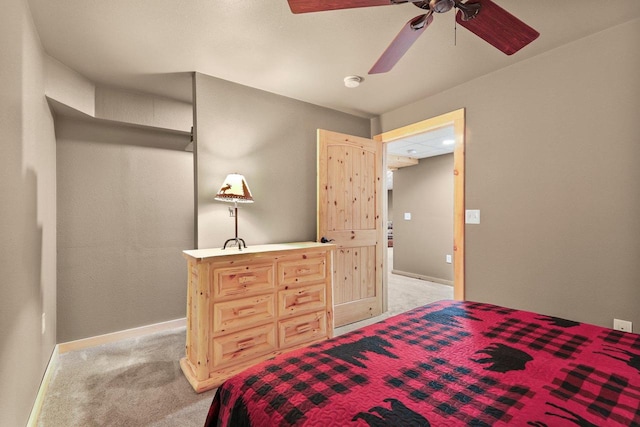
pixel 446 364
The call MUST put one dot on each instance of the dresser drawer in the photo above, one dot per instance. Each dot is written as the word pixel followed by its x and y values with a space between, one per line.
pixel 302 269
pixel 242 313
pixel 301 329
pixel 242 280
pixel 244 345
pixel 297 300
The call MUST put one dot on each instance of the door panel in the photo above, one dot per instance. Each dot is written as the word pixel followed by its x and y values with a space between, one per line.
pixel 350 214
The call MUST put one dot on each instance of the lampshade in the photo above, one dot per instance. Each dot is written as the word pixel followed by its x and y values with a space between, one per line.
pixel 234 189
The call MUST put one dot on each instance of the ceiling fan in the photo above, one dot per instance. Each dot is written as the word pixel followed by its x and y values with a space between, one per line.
pixel 484 18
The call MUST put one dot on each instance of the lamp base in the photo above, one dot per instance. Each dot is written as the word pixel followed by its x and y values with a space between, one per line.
pixel 238 242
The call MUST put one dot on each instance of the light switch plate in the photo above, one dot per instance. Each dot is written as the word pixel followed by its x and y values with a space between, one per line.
pixel 407 216
pixel 472 216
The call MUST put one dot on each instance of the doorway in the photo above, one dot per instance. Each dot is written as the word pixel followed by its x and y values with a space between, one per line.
pixel 457 120
pixel 420 207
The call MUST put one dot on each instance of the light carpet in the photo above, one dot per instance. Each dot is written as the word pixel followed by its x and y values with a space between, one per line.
pixel 138 381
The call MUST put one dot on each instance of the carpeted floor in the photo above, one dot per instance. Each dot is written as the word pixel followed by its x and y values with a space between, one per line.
pixel 138 382
pixel 134 382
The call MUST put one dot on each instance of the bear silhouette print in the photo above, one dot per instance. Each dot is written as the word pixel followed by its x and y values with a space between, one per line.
pixel 354 352
pixel 631 359
pixel 447 316
pixel 503 358
pixel 398 415
pixel 558 321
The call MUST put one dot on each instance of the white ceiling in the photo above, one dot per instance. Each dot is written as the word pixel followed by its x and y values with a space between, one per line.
pixel 428 144
pixel 150 45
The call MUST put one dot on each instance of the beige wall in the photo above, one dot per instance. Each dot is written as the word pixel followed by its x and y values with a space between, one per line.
pixel 125 213
pixel 271 140
pixel 142 109
pixel 69 87
pixel 422 243
pixel 27 216
pixel 552 163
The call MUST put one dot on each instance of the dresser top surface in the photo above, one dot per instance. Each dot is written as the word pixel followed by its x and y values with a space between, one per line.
pixel 254 249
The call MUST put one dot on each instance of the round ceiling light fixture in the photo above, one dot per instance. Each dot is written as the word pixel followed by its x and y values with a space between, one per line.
pixel 352 81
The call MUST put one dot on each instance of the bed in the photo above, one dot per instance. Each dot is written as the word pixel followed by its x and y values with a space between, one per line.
pixel 448 363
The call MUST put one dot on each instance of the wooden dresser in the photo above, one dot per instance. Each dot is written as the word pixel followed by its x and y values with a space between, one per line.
pixel 247 306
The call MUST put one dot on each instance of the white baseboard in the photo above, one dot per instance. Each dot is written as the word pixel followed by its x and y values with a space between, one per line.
pixel 42 391
pixel 421 277
pixel 121 335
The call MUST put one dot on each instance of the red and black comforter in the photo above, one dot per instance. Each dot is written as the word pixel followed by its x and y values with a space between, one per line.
pixel 446 364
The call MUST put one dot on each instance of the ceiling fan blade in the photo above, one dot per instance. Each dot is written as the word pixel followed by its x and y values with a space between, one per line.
pixel 498 27
pixel 401 44
pixel 305 6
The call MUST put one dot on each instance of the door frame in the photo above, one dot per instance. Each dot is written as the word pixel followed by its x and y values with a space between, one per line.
pixel 457 119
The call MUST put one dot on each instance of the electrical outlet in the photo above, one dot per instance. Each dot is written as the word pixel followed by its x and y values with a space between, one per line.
pixel 44 323
pixel 448 259
pixel 622 325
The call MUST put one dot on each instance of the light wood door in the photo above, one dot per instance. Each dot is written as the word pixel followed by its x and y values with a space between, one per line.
pixel 350 214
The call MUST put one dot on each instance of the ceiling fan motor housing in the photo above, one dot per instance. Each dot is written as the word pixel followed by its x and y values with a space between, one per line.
pixel 441 6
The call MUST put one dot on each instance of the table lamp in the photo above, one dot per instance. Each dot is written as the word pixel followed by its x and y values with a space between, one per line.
pixel 235 189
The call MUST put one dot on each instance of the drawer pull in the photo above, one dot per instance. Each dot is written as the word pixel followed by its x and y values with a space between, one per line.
pixel 246 311
pixel 304 299
pixel 246 279
pixel 303 328
pixel 246 343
